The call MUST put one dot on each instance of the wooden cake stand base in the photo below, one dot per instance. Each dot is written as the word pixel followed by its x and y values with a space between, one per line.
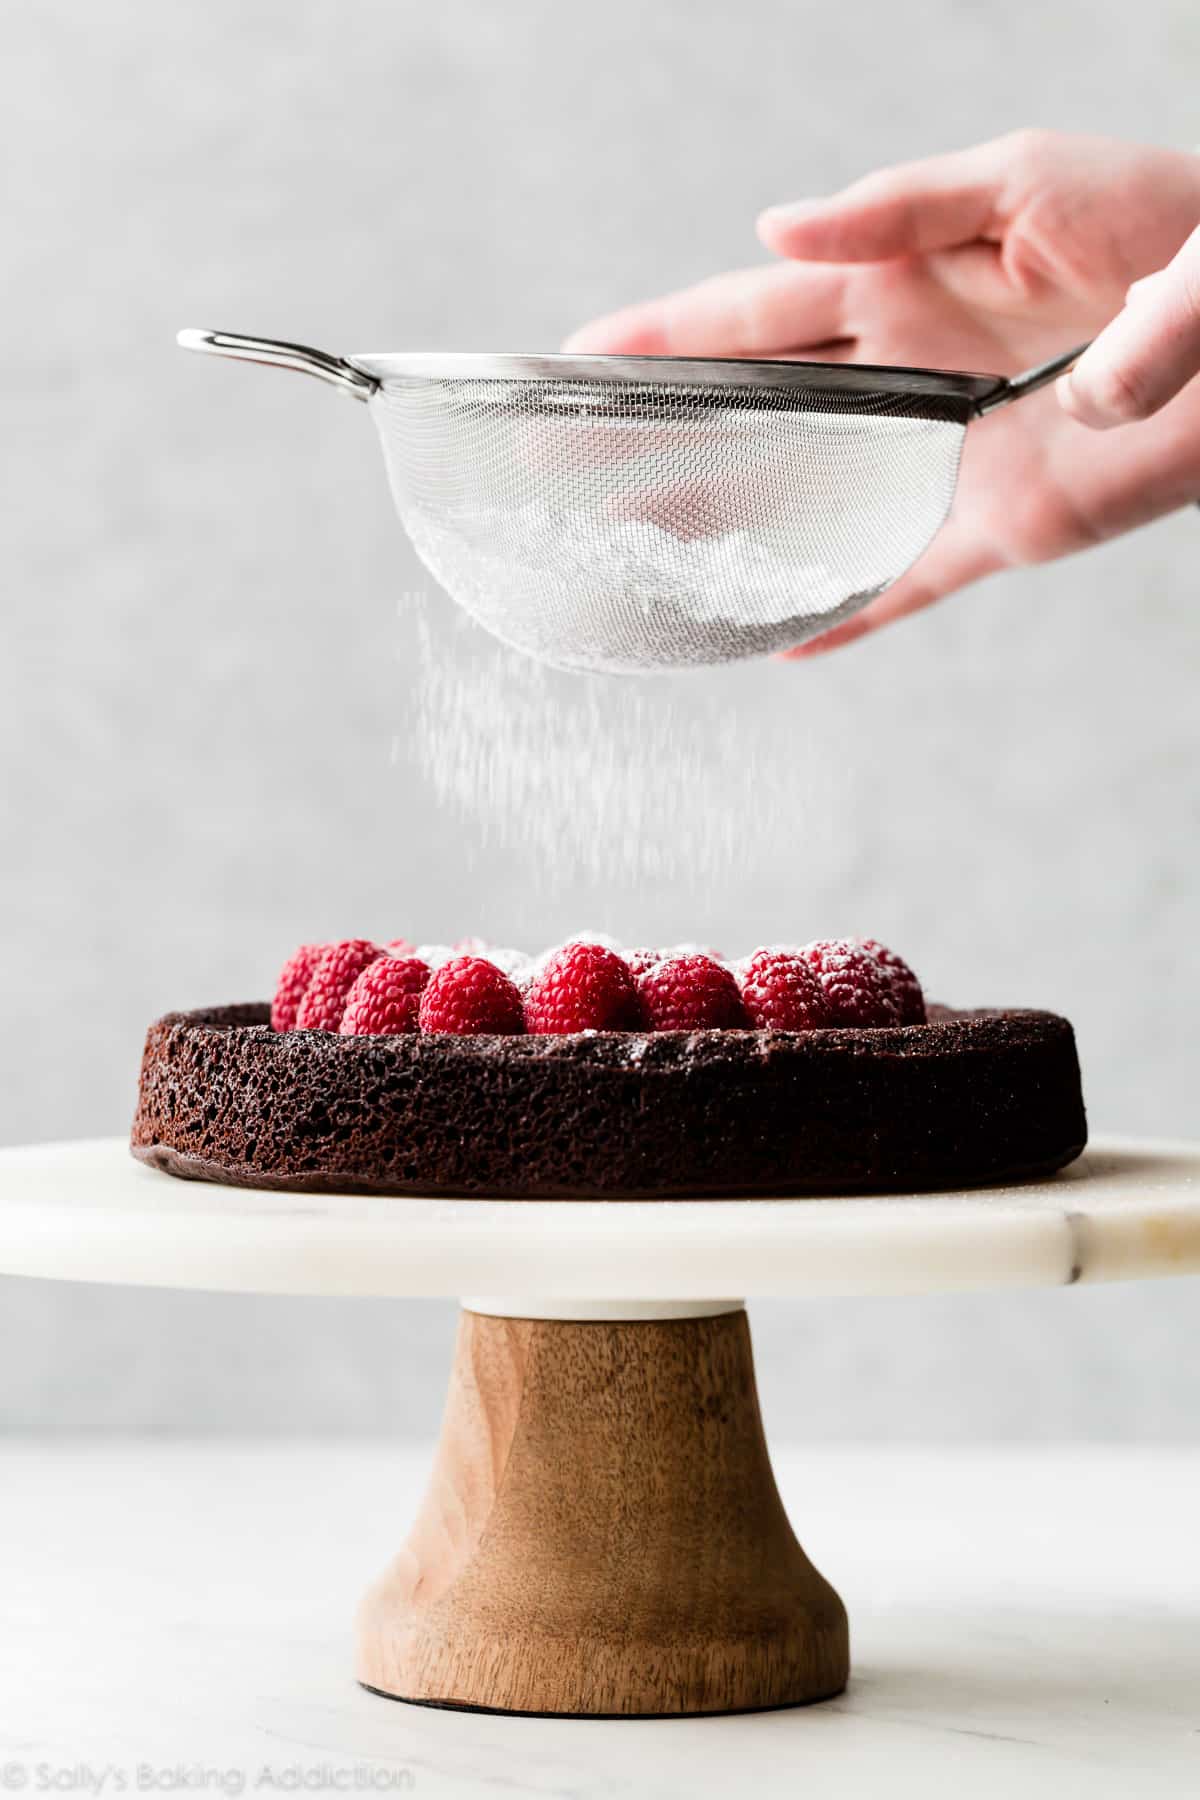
pixel 602 1534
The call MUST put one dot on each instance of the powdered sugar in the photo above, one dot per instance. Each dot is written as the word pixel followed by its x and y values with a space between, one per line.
pixel 434 955
pixel 590 774
pixel 647 598
pixel 516 964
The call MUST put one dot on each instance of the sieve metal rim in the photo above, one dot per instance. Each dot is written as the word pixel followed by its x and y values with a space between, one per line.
pixel 874 379
pixel 951 392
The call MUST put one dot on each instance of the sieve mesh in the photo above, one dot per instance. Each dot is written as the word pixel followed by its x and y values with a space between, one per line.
pixel 634 525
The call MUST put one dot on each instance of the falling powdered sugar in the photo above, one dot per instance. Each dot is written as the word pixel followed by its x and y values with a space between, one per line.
pixel 587 773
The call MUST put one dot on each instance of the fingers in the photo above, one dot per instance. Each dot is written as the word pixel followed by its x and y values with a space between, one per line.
pixel 951 562
pixel 749 312
pixel 906 211
pixel 1149 352
pixel 895 604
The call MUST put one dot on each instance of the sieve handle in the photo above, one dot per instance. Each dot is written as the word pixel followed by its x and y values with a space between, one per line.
pixel 1015 387
pixel 334 369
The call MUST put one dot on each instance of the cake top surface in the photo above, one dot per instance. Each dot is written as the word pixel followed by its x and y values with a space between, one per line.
pixel 947 1031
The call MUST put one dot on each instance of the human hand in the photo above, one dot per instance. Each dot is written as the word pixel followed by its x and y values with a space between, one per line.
pixel 991 259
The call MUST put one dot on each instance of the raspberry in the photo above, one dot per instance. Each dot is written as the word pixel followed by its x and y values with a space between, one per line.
pixel 639 961
pixel 468 995
pixel 339 968
pixel 856 989
pixel 781 993
pixel 385 997
pixel 905 988
pixel 690 993
pixel 582 987
pixel 400 947
pixel 292 985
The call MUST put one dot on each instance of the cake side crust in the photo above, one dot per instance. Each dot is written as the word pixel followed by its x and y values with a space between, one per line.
pixel 967 1099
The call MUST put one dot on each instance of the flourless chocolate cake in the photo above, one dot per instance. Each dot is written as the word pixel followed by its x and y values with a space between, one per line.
pixel 963 1098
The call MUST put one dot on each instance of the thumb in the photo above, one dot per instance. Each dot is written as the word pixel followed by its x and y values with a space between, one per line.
pixel 1149 352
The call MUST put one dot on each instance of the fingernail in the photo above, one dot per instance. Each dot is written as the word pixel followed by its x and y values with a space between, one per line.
pixel 1081 408
pixel 585 342
pixel 1138 290
pixel 792 212
pixel 1064 387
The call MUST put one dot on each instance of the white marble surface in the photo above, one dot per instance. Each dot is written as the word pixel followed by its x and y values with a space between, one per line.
pixel 87 1211
pixel 1023 1623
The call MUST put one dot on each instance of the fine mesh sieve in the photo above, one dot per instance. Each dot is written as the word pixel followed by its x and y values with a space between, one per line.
pixel 636 513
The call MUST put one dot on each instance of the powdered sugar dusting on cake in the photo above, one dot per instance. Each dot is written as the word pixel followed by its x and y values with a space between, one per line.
pixel 434 955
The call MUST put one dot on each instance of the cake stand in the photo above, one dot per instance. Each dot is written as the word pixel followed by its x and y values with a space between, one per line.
pixel 602 1535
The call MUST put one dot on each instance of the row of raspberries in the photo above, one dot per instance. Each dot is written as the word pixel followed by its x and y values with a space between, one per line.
pixel 357 988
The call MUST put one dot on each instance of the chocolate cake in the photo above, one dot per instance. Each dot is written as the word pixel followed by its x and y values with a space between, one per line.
pixel 967 1098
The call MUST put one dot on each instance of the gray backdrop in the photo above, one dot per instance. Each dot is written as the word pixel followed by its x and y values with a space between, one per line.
pixel 208 689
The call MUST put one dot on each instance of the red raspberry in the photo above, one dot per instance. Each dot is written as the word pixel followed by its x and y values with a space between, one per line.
pixel 781 993
pixel 339 968
pixel 690 993
pixel 856 989
pixel 638 961
pixel 470 995
pixel 906 989
pixel 400 947
pixel 292 985
pixel 582 987
pixel 385 997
